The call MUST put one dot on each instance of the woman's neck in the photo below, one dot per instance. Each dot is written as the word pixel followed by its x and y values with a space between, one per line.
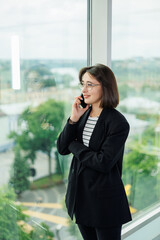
pixel 96 111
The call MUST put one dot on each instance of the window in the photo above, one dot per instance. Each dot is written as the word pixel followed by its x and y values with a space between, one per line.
pixel 43 46
pixel 136 64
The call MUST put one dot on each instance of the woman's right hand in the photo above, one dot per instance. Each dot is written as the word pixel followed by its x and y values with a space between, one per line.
pixel 77 110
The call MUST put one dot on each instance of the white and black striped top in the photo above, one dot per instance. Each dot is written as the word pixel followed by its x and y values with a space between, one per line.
pixel 88 130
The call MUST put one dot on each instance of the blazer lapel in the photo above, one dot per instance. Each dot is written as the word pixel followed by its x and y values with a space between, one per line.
pixel 98 132
pixel 82 124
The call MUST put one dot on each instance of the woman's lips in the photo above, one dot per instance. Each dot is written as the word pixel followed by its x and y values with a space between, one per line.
pixel 85 96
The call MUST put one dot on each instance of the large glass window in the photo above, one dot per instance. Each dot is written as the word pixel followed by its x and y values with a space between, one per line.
pixel 43 44
pixel 136 63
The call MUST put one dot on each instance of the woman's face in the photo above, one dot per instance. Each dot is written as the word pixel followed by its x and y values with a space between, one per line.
pixel 92 94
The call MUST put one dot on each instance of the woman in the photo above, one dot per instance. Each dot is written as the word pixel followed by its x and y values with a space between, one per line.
pixel 96 135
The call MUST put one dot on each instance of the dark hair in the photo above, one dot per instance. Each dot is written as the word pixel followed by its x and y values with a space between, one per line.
pixel 105 76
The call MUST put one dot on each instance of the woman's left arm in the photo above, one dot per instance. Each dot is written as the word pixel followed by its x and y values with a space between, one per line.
pixel 107 157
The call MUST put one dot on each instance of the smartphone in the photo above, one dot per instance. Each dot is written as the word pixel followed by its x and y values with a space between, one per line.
pixel 83 104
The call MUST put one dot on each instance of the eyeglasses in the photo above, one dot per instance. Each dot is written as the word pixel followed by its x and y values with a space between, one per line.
pixel 89 86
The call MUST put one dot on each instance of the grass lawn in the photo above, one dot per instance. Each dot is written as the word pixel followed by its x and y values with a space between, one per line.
pixel 46 182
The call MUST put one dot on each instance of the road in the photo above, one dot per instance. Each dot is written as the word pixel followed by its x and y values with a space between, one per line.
pixel 56 217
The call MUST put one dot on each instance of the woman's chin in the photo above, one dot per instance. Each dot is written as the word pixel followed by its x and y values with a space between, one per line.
pixel 87 102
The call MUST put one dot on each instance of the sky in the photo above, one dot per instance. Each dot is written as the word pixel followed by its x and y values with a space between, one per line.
pixel 136 28
pixel 56 29
pixel 46 28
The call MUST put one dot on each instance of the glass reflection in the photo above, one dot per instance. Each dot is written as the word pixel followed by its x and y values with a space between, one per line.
pixel 136 61
pixel 47 40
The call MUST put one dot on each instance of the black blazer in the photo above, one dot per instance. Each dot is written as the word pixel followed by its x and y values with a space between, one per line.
pixel 95 192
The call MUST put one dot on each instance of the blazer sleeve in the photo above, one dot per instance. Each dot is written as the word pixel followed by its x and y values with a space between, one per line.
pixel 109 153
pixel 68 134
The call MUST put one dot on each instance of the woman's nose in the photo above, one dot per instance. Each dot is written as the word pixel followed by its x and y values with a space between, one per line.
pixel 84 89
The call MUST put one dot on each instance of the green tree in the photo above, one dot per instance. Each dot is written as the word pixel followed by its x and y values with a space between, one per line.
pixel 138 164
pixel 41 233
pixel 49 82
pixel 39 129
pixel 19 173
pixel 141 167
pixel 40 76
pixel 11 215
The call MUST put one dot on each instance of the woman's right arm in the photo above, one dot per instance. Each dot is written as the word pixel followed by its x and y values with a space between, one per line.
pixel 69 132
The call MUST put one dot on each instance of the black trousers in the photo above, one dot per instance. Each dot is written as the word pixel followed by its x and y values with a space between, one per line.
pixel 91 233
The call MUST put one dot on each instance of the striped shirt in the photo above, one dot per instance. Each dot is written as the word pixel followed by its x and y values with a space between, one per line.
pixel 88 130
